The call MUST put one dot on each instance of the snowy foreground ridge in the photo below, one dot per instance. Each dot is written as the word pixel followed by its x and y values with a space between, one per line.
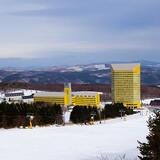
pixel 75 142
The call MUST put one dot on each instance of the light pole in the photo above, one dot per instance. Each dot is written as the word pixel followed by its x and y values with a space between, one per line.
pixel 100 110
pixel 121 111
pixel 64 110
pixel 31 117
pixel 92 117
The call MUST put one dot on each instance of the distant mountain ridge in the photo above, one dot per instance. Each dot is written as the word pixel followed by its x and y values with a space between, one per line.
pixel 47 63
pixel 88 73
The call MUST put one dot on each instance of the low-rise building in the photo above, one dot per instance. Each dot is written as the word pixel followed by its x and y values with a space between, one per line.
pixel 68 98
pixel 18 96
pixel 28 98
pixel 49 97
pixel 14 97
pixel 85 98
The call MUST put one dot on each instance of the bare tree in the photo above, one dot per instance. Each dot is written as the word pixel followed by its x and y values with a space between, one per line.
pixel 116 157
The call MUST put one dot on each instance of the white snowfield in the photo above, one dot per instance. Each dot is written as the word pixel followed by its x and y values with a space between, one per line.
pixel 75 142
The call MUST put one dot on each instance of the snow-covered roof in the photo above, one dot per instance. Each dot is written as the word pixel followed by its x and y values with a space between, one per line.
pixel 49 94
pixel 14 94
pixel 86 93
pixel 61 94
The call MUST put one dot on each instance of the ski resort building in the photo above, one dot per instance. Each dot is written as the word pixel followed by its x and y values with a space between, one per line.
pixel 126 84
pixel 18 96
pixel 68 98
pixel 49 97
pixel 14 97
pixel 86 98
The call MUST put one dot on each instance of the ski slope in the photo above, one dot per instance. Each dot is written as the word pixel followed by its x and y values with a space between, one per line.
pixel 75 142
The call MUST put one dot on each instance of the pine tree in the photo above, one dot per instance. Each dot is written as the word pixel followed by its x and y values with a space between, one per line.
pixel 82 114
pixel 151 149
pixel 16 115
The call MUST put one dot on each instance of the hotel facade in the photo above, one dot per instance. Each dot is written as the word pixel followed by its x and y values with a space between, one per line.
pixel 126 84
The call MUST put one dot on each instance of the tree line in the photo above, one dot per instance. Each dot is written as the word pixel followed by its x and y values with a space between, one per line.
pixel 17 115
pixel 83 114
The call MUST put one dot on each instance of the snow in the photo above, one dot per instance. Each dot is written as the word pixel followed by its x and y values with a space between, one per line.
pixel 75 68
pixel 148 101
pixel 80 68
pixel 75 142
pixel 67 116
pixel 101 67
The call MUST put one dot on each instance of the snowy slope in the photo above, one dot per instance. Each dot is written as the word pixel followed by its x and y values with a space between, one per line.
pixel 74 142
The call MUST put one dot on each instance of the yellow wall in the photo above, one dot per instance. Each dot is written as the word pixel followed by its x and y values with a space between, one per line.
pixel 76 100
pixel 68 99
pixel 126 87
pixel 53 100
pixel 67 96
pixel 86 100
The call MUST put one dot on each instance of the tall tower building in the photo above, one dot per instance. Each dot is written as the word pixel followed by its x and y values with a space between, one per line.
pixel 126 84
pixel 67 94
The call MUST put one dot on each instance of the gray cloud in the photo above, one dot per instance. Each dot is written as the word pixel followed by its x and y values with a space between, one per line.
pixel 114 29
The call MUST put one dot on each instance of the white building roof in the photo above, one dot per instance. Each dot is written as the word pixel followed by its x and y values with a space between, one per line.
pixel 14 94
pixel 85 93
pixel 124 66
pixel 49 94
pixel 61 94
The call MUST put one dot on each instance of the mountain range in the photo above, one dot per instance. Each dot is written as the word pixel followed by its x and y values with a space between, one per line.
pixel 87 73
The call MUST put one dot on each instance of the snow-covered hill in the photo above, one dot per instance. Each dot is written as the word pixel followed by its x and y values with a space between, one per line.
pixel 89 67
pixel 112 137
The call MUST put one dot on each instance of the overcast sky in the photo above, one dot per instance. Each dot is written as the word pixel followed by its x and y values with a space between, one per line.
pixel 102 30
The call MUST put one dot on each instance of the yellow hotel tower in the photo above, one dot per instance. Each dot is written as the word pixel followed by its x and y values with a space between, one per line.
pixel 126 84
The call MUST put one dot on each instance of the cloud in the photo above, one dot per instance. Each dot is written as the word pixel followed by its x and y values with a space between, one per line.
pixel 59 27
pixel 139 41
